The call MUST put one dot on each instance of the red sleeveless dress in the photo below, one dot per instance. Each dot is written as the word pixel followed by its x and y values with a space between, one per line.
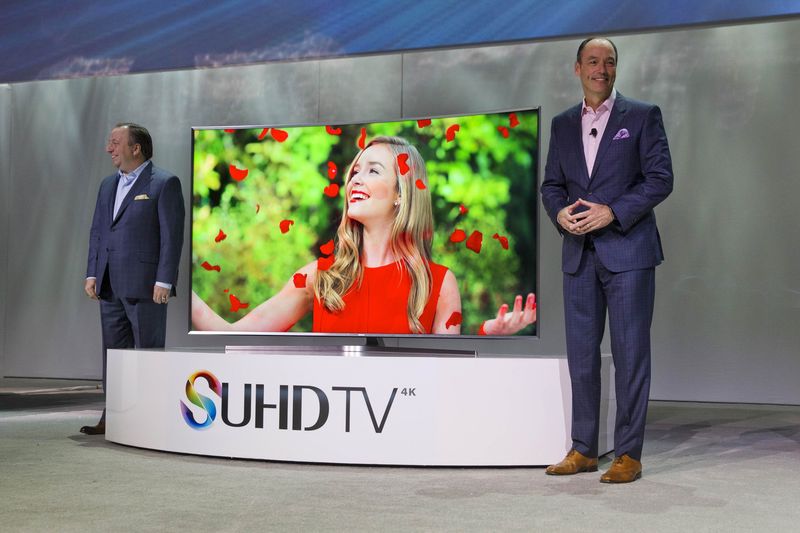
pixel 379 305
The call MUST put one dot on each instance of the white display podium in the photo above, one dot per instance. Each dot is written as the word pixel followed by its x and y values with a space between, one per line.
pixel 347 407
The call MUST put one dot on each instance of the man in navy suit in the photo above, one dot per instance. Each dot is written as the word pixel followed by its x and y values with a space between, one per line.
pixel 607 167
pixel 134 247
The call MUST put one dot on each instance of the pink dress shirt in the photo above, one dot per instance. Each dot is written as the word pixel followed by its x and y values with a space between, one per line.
pixel 591 119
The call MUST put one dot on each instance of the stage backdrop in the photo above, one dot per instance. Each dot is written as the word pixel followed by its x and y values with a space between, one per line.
pixel 728 300
pixel 51 40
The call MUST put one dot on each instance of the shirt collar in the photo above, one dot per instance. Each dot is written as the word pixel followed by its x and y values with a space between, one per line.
pixel 608 104
pixel 133 174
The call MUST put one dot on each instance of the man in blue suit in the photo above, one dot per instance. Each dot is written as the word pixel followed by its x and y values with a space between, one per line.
pixel 607 167
pixel 134 247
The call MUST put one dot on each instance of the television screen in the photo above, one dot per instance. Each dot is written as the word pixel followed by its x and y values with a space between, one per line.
pixel 413 227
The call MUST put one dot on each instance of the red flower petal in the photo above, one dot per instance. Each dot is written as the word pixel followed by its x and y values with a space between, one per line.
pixel 450 134
pixel 474 242
pixel 327 248
pixel 362 138
pixel 454 320
pixel 332 170
pixel 333 131
pixel 331 190
pixel 300 280
pixel 503 240
pixel 208 266
pixel 237 304
pixel 324 263
pixel 263 134
pixel 402 163
pixel 463 209
pixel 424 122
pixel 285 224
pixel 513 121
pixel 230 131
pixel 420 185
pixel 503 131
pixel 278 135
pixel 458 235
pixel 237 174
pixel 220 236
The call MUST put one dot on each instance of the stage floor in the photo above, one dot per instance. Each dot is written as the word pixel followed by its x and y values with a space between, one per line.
pixel 707 467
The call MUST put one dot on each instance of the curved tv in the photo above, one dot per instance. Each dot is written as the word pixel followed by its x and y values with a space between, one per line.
pixel 384 229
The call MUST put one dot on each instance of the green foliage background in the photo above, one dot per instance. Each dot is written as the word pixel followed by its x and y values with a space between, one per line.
pixel 493 176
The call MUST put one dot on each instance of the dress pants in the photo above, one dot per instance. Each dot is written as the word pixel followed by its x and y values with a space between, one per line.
pixel 131 323
pixel 628 297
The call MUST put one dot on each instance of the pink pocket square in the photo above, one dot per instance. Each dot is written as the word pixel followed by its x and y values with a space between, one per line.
pixel 621 134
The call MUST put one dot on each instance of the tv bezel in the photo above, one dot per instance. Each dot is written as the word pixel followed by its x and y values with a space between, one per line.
pixel 371 339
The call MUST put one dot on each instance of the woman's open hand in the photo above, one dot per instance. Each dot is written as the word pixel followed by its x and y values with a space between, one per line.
pixel 510 323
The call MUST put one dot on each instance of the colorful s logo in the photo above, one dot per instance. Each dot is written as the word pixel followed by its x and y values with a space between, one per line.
pixel 201 401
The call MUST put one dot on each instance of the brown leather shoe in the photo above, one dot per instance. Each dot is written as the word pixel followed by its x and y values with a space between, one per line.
pixel 99 429
pixel 624 469
pixel 573 463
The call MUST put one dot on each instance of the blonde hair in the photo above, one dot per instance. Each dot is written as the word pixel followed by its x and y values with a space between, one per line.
pixel 411 237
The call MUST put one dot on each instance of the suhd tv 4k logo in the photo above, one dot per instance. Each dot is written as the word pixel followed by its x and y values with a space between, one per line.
pixel 272 408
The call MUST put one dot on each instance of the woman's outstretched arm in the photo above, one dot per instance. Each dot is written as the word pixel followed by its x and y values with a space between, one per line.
pixel 279 313
pixel 448 304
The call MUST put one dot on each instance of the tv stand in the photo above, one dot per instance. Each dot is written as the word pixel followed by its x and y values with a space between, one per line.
pixel 375 342
pixel 374 347
pixel 390 410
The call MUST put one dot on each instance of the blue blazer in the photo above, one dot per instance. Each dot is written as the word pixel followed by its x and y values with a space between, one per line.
pixel 632 174
pixel 143 243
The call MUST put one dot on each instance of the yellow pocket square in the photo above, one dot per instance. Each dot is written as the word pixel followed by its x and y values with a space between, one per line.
pixel 141 197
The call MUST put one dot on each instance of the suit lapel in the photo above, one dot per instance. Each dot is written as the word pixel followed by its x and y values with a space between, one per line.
pixel 577 133
pixel 614 122
pixel 141 183
pixel 113 192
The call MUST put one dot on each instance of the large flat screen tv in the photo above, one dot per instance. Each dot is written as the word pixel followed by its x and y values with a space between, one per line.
pixel 385 229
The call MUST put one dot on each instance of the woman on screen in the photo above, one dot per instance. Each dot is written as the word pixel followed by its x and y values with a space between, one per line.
pixel 382 278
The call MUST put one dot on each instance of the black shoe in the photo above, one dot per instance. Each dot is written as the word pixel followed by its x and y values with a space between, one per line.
pixel 99 429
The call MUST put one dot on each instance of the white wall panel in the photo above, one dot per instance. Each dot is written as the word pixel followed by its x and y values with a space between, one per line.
pixel 5 204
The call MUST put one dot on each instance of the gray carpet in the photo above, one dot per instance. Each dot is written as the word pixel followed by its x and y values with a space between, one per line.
pixel 707 467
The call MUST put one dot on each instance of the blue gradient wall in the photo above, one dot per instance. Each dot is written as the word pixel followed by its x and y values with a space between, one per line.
pixel 50 40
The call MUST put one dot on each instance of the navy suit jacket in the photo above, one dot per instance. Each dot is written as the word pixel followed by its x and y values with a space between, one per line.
pixel 632 174
pixel 143 243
